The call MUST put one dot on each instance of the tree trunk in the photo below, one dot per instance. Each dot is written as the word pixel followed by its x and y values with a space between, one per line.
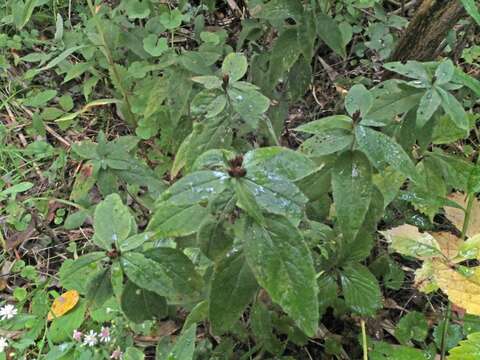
pixel 428 29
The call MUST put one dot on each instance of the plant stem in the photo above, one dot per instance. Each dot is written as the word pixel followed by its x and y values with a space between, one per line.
pixel 364 340
pixel 271 131
pixel 466 221
pixel 445 332
pixel 111 63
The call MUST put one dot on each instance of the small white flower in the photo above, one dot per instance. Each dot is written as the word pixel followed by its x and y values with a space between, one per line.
pixel 8 312
pixel 105 334
pixel 3 344
pixel 90 339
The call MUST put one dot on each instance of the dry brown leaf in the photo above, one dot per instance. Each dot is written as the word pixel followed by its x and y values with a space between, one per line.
pixel 457 216
pixel 63 304
pixel 461 290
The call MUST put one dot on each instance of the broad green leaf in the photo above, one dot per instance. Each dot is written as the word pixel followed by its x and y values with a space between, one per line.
pixel 444 72
pixel 208 103
pixel 283 266
pixel 360 290
pixel 232 288
pixel 135 241
pixel 468 349
pixel 73 272
pixel 467 80
pixel 412 326
pixel 209 81
pixel 411 69
pixel 455 169
pixel 112 222
pixel 358 99
pixel 328 142
pixel 279 10
pixel 198 313
pixel 154 45
pixel 262 328
pixel 140 305
pixel 16 189
pixel 386 351
pixel 330 122
pixel 446 131
pixel 381 150
pixel 454 109
pixel 165 271
pixel 429 103
pixel 62 327
pixel 392 98
pixel 281 161
pixel 246 201
pixel 329 32
pixel 185 345
pixel 299 79
pixel 213 239
pixel 352 170
pixel 170 220
pixel 249 104
pixel 284 55
pixel 196 187
pixel 99 288
pixel 454 335
pixel 472 9
pixel 22 12
pixel 40 99
pixel 132 353
pixel 388 182
pixel 171 19
pixel 275 194
pixel 408 240
pixel 137 9
pixel 76 70
pixel 235 66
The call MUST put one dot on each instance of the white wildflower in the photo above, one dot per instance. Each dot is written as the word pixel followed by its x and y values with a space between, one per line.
pixel 3 344
pixel 90 339
pixel 8 312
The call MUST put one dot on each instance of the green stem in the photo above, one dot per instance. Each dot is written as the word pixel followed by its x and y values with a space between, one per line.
pixel 111 63
pixel 443 344
pixel 468 211
pixel 364 340
pixel 271 130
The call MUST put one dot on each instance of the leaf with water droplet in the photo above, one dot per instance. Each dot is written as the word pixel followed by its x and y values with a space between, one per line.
pixel 352 171
pixel 358 99
pixel 170 220
pixel 235 66
pixel 360 289
pixel 429 103
pixel 232 288
pixel 454 109
pixel 283 265
pixel 444 72
pixel 382 150
pixel 112 222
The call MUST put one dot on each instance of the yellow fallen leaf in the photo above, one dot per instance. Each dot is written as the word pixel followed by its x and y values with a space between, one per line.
pixel 63 304
pixel 457 216
pixel 449 244
pixel 463 291
pixel 408 240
